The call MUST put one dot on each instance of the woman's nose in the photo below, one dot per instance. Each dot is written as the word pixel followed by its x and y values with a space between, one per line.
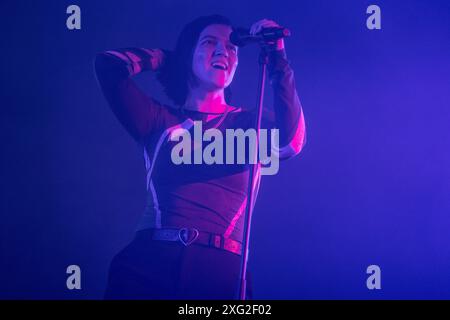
pixel 221 50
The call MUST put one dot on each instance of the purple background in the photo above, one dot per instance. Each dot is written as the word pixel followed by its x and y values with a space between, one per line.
pixel 372 185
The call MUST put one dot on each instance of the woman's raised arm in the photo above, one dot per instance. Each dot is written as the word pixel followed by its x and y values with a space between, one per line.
pixel 137 112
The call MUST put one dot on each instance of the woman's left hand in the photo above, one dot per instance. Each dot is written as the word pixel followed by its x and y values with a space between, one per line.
pixel 266 23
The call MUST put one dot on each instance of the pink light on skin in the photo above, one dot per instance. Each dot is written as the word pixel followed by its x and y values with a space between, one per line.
pixel 214 64
pixel 214 46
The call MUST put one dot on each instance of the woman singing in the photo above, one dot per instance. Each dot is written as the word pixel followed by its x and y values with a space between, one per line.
pixel 189 242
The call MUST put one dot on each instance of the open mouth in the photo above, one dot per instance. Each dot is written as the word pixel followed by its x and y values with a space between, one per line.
pixel 219 65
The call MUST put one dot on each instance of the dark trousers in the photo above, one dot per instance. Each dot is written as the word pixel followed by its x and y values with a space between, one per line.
pixel 149 269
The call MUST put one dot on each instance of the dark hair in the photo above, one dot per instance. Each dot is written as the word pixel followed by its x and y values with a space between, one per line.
pixel 176 71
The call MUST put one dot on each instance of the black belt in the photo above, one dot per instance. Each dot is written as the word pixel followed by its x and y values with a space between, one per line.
pixel 188 236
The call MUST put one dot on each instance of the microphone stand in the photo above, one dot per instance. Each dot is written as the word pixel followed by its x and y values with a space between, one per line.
pixel 263 61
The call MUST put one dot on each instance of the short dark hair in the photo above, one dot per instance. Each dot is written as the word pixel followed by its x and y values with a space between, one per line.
pixel 176 71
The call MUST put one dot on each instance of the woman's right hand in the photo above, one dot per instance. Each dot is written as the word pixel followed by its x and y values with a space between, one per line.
pixel 156 60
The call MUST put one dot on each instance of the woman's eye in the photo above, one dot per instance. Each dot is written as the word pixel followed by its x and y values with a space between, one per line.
pixel 232 48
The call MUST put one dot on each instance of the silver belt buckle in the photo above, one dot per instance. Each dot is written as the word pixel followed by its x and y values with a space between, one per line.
pixel 188 235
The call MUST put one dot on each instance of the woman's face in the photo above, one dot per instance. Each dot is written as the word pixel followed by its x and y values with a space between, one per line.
pixel 215 58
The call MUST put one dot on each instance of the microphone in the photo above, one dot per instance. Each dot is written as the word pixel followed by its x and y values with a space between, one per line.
pixel 241 36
